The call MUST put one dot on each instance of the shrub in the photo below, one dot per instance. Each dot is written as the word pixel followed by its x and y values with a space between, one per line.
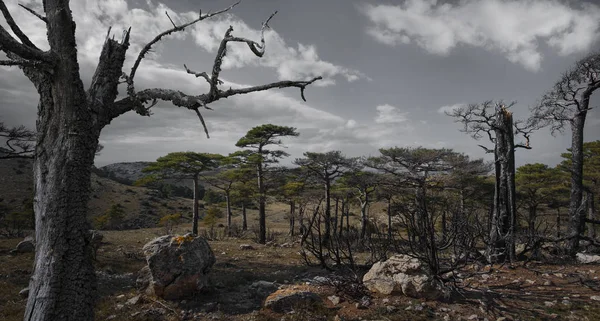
pixel 112 219
pixel 169 222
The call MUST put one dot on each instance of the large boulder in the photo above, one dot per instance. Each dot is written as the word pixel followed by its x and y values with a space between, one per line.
pixel 587 258
pixel 177 266
pixel 406 275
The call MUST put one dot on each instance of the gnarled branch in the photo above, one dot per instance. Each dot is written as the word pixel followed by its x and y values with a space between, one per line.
pixel 34 13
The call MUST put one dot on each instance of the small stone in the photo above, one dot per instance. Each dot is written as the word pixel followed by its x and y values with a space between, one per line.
pixel 246 247
pixel 549 303
pixel 120 296
pixel 530 281
pixel 566 302
pixel 443 309
pixel 135 300
pixel 418 308
pixel 24 293
pixel 473 317
pixel 334 299
pixel 559 275
pixel 386 300
pixel 120 306
pixel 390 308
pixel 446 317
pixel 595 297
pixel 548 283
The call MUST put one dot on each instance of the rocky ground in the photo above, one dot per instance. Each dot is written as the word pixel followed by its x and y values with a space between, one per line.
pixel 254 284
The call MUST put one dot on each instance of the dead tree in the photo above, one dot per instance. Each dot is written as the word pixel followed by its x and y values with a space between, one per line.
pixel 495 121
pixel 568 104
pixel 69 121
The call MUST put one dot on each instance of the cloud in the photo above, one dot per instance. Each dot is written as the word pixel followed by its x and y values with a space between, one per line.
pixel 450 108
pixel 387 114
pixel 513 28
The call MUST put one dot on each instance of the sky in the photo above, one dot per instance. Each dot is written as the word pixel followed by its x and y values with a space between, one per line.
pixel 390 70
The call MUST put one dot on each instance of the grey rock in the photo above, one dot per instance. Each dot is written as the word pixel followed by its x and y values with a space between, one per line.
pixel 177 266
pixel 246 247
pixel 407 275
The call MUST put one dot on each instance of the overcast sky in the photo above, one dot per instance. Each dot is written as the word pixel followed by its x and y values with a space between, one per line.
pixel 390 69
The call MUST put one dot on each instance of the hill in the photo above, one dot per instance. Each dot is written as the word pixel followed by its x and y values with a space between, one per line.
pixel 143 206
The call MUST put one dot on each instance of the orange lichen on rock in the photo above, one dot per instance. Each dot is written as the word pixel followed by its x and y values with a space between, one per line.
pixel 180 239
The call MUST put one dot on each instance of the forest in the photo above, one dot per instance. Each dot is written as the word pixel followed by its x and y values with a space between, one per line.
pixel 464 237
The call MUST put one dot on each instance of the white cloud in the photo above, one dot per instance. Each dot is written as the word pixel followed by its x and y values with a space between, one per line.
pixel 389 114
pixel 513 28
pixel 450 108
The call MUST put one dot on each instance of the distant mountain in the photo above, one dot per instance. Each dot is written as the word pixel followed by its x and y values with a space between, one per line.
pixel 125 173
pixel 129 172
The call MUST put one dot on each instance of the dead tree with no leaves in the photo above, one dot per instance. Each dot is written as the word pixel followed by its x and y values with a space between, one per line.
pixel 70 119
pixel 498 125
pixel 568 103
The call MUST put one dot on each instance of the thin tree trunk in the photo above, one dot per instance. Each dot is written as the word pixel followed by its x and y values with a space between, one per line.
pixel 262 215
pixel 364 208
pixel 591 216
pixel 344 204
pixel 327 219
pixel 244 219
pixel 195 215
pixel 229 215
pixel 576 212
pixel 335 219
pixel 389 214
pixel 558 222
pixel 292 217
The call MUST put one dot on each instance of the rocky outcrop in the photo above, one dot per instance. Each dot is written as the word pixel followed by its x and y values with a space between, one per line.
pixel 177 266
pixel 406 275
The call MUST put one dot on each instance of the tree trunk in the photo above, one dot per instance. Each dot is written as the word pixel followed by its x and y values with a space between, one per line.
pixel 389 214
pixel 327 211
pixel 336 216
pixel 63 282
pixel 292 217
pixel 531 224
pixel 591 216
pixel 195 215
pixel 576 210
pixel 344 204
pixel 229 215
pixel 444 227
pixel 364 208
pixel 502 238
pixel 262 215
pixel 558 222
pixel 244 220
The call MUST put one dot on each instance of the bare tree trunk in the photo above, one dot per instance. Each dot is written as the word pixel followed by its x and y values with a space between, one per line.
pixel 262 215
pixel 364 208
pixel 327 218
pixel 502 238
pixel 576 210
pixel 292 217
pixel 63 282
pixel 343 210
pixel 389 216
pixel 591 216
pixel 558 222
pixel 335 219
pixel 229 215
pixel 195 215
pixel 244 219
